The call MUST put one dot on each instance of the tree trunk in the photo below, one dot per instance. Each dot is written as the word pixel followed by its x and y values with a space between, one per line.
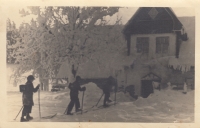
pixel 46 84
pixel 73 71
pixel 57 84
pixel 41 83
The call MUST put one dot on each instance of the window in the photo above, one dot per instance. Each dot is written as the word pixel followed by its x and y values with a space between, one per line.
pixel 162 44
pixel 142 45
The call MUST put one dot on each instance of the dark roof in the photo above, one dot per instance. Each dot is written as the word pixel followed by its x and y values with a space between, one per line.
pixel 142 23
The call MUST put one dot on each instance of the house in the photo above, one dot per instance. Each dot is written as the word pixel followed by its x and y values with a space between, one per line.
pixel 154 35
pixel 149 25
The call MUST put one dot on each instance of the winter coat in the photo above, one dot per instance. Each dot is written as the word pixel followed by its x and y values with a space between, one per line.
pixel 27 96
pixel 108 86
pixel 74 88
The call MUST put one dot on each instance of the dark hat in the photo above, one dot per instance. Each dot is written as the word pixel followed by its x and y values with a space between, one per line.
pixel 30 77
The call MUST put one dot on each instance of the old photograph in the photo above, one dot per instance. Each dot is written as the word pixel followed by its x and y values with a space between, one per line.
pixel 100 64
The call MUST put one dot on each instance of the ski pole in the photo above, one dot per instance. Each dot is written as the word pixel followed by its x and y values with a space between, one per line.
pixel 82 102
pixel 100 99
pixel 115 97
pixel 18 113
pixel 116 92
pixel 39 101
pixel 66 110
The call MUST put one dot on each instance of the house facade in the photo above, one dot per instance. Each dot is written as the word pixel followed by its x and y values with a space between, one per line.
pixel 153 30
pixel 153 45
pixel 153 35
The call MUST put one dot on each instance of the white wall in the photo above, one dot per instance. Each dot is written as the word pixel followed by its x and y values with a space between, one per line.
pixel 134 75
pixel 152 44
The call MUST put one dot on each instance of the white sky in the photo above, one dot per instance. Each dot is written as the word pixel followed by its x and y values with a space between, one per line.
pixel 126 13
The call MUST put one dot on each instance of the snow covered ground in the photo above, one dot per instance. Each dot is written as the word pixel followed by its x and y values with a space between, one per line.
pixel 166 106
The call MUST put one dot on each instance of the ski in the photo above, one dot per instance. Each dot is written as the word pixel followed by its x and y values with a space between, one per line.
pixel 94 108
pixel 84 111
pixel 108 105
pixel 101 106
pixel 49 117
pixel 77 113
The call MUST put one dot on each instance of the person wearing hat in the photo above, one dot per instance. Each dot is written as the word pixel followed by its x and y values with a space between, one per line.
pixel 27 98
pixel 107 89
pixel 74 89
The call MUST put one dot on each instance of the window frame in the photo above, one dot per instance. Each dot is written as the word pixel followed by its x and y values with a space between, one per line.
pixel 163 42
pixel 140 45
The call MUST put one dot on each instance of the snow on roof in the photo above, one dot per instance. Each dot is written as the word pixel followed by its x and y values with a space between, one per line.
pixel 187 50
pixel 107 68
pixel 93 70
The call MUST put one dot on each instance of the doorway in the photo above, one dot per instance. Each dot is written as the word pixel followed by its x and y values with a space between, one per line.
pixel 147 88
pixel 146 84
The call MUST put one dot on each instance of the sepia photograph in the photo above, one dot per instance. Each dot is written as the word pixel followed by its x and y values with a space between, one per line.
pixel 100 64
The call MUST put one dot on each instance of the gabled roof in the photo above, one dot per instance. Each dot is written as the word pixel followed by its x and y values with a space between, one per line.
pixel 165 21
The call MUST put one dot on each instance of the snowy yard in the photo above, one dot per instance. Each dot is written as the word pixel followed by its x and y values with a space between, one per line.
pixel 165 106
pixel 94 43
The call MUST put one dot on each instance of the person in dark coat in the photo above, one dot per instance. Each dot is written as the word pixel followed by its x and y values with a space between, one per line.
pixel 27 98
pixel 74 90
pixel 107 89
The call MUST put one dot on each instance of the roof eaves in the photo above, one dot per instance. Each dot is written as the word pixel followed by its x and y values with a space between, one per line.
pixel 174 17
pixel 129 21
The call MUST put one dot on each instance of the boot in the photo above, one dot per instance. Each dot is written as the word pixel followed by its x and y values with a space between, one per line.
pixel 28 117
pixel 78 110
pixel 69 113
pixel 23 119
pixel 105 105
pixel 109 100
